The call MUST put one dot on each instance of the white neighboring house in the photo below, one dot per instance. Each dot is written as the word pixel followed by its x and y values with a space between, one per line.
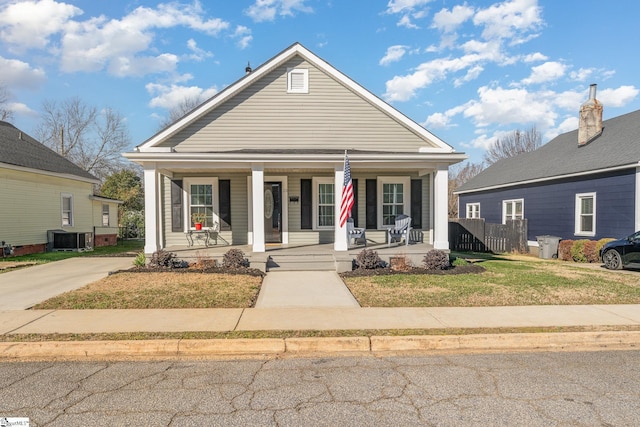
pixel 47 202
pixel 264 159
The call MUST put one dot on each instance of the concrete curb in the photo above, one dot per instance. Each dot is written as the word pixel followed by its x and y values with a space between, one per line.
pixel 272 347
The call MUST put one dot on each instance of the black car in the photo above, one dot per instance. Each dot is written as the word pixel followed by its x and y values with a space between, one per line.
pixel 622 253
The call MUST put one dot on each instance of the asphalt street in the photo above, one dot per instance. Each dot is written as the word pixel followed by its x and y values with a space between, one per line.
pixel 532 389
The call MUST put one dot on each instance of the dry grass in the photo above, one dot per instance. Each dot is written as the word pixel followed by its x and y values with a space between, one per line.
pixel 161 290
pixel 507 281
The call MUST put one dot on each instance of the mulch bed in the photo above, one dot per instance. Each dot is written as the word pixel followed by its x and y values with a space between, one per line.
pixel 464 269
pixel 213 270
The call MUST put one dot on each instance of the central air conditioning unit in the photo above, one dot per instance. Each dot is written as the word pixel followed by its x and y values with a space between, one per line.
pixel 61 240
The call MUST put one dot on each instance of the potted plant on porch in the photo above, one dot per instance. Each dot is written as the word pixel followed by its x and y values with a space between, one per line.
pixel 198 219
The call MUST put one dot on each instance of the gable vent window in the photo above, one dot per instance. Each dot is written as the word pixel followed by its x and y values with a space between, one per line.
pixel 297 80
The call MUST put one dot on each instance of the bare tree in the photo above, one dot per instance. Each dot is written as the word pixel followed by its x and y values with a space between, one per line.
pixel 6 114
pixel 92 139
pixel 458 175
pixel 177 112
pixel 513 144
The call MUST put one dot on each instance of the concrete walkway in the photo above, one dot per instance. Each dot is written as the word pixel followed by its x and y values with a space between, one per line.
pixel 22 289
pixel 298 289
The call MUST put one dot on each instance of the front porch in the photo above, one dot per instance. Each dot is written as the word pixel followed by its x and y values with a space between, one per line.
pixel 304 257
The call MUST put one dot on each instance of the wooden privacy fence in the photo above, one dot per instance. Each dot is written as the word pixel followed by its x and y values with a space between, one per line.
pixel 474 235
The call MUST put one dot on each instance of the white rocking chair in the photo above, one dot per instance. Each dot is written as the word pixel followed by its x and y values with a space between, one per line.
pixel 401 230
pixel 355 233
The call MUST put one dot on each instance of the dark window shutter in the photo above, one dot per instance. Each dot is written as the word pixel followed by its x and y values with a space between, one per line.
pixel 354 210
pixel 416 203
pixel 224 197
pixel 306 205
pixel 372 204
pixel 176 206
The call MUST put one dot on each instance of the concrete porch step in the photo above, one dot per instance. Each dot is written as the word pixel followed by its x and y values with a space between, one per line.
pixel 293 262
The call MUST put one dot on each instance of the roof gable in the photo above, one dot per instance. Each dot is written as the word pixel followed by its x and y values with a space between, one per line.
pixel 248 108
pixel 617 147
pixel 20 150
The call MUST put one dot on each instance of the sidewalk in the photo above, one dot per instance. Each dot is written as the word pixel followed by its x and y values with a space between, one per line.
pixel 299 301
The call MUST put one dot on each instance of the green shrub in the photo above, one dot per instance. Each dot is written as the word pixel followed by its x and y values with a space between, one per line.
pixel 234 259
pixel 600 243
pixel 577 251
pixel 436 260
pixel 459 262
pixel 140 260
pixel 564 250
pixel 590 251
pixel 368 259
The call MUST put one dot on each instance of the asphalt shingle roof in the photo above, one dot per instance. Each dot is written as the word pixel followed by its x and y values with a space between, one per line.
pixel 618 145
pixel 29 153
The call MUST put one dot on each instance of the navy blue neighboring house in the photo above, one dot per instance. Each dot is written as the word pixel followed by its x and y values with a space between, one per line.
pixel 582 184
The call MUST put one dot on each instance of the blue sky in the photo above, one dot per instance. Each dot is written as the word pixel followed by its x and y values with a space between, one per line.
pixel 469 71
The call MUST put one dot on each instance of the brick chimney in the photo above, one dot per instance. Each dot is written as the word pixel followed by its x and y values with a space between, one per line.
pixel 590 125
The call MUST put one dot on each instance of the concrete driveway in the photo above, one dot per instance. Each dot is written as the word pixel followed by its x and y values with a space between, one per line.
pixel 22 289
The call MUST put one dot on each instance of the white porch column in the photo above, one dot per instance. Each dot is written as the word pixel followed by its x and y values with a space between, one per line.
pixel 257 191
pixel 152 237
pixel 440 208
pixel 340 242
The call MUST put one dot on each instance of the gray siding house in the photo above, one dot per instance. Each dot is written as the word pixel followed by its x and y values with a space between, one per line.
pixel 264 160
pixel 583 184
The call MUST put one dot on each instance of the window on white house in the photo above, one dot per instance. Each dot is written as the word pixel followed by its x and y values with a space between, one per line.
pixel 585 214
pixel 473 210
pixel 202 200
pixel 105 215
pixel 394 199
pixel 324 206
pixel 297 80
pixel 67 210
pixel 512 209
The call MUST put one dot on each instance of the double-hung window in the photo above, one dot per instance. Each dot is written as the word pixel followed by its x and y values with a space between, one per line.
pixel 585 214
pixel 512 209
pixel 202 200
pixel 395 194
pixel 67 210
pixel 324 206
pixel 473 210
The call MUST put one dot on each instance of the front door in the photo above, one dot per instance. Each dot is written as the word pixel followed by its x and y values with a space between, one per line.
pixel 273 212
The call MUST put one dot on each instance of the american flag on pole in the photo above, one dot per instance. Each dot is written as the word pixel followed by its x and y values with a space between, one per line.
pixel 347 193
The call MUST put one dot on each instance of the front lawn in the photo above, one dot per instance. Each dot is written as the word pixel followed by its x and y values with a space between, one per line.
pixel 123 248
pixel 161 290
pixel 507 281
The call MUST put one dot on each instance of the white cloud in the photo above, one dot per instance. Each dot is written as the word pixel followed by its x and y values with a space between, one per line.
pixel 21 109
pixel 29 24
pixel 437 121
pixel 19 74
pixel 403 6
pixel 535 57
pixel 545 72
pixel 141 65
pixel 243 35
pixel 617 97
pixel 394 54
pixel 472 74
pixel 197 54
pixel 511 106
pixel 266 10
pixel 121 46
pixel 509 19
pixel 409 9
pixel 403 88
pixel 170 96
pixel 448 21
pixel 485 141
